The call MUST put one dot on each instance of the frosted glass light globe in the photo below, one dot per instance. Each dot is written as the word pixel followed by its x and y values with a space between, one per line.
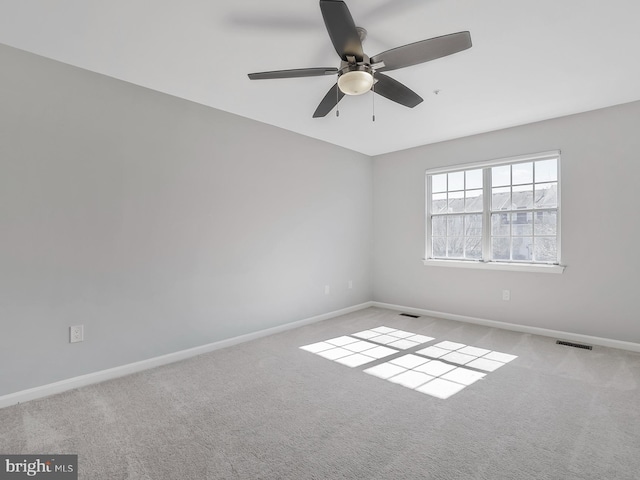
pixel 355 83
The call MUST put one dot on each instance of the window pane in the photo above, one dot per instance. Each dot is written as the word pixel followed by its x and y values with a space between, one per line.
pixel 473 201
pixel 522 196
pixel 545 249
pixel 473 179
pixel 522 173
pixel 501 176
pixel 500 224
pixel 439 245
pixel 522 224
pixel 454 246
pixel 500 248
pixel 455 225
pixel 473 225
pixel 439 183
pixel 546 223
pixel 546 195
pixel 522 248
pixel 439 203
pixel 456 181
pixel 547 171
pixel 501 199
pixel 456 202
pixel 439 226
pixel 473 248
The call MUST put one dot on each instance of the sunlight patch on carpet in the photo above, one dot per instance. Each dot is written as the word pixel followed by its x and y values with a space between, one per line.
pixel 440 370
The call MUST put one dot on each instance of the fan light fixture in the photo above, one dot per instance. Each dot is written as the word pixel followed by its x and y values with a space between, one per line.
pixel 355 82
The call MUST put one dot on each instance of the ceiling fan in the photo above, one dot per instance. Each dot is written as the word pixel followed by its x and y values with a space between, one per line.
pixel 359 73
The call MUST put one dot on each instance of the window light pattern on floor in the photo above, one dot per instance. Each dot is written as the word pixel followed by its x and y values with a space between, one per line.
pixel 439 376
pixel 440 370
pixel 432 377
pixel 460 354
pixel 359 348
pixel 393 338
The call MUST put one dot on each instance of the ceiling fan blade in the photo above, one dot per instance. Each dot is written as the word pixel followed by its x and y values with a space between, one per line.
pixel 341 29
pixel 423 51
pixel 395 91
pixel 330 100
pixel 295 73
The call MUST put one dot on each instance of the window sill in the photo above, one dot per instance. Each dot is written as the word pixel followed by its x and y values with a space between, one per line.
pixel 512 267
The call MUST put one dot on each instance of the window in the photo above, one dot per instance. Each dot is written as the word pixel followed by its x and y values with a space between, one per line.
pixel 501 212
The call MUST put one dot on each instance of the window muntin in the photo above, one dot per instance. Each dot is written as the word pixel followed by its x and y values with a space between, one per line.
pixel 504 211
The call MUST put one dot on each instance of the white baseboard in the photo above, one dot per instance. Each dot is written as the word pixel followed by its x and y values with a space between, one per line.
pixel 546 332
pixel 102 375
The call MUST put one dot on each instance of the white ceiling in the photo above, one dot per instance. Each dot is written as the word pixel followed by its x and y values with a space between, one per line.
pixel 530 60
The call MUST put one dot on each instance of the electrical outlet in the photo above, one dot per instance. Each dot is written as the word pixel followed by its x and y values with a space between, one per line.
pixel 350 285
pixel 506 295
pixel 327 290
pixel 76 334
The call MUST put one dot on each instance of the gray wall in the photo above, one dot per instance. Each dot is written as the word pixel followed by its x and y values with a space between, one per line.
pixel 159 224
pixel 599 292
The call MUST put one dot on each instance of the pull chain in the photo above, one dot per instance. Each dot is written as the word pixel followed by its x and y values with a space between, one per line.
pixel 337 100
pixel 373 102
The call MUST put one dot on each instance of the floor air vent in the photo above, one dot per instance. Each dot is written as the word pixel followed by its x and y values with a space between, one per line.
pixel 409 315
pixel 576 345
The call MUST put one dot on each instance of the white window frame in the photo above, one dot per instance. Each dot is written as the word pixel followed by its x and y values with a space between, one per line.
pixel 486 262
